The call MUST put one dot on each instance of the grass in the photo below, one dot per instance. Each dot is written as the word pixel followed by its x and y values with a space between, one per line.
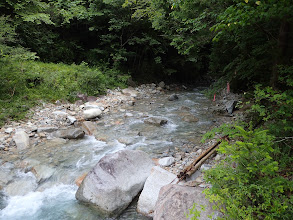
pixel 23 84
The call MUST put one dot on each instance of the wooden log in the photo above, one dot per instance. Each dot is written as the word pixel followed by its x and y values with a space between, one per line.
pixel 190 169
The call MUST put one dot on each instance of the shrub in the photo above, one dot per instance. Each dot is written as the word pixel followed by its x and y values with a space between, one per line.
pixel 248 182
pixel 24 83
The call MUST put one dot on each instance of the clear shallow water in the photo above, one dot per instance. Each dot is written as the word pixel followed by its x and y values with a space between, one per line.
pixel 54 197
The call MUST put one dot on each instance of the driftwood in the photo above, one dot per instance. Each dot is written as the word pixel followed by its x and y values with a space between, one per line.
pixel 191 168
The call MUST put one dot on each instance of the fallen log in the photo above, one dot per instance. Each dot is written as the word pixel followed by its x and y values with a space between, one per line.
pixel 191 168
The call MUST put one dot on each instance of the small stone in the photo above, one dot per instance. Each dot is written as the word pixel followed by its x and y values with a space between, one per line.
pixel 205 167
pixel 173 97
pixel 91 98
pixel 21 140
pixel 74 133
pixel 166 161
pixel 92 113
pixel 47 129
pixel 89 127
pixel 71 119
pixel 218 157
pixel 60 113
pixel 155 121
pixel 42 135
pixel 9 130
pixel 161 84
pixel 128 115
pixel 199 151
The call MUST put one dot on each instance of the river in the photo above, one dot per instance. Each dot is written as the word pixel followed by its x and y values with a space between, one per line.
pixel 52 195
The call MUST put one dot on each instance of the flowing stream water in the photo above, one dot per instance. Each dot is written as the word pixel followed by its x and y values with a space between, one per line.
pixel 52 195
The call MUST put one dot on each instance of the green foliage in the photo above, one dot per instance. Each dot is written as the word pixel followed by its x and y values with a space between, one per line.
pixel 248 183
pixel 194 213
pixel 31 81
pixel 275 109
pixel 250 36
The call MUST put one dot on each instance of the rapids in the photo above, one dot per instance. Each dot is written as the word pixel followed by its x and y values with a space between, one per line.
pixel 52 195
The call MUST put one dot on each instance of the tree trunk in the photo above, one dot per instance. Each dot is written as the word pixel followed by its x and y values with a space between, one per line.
pixel 281 50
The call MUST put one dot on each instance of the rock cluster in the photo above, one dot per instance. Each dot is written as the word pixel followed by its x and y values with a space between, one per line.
pixel 61 119
pixel 113 183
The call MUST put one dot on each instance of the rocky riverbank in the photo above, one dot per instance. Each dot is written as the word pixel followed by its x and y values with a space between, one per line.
pixel 54 124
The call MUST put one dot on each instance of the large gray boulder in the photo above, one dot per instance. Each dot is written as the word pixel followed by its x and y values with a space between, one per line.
pixel 21 140
pixel 149 195
pixel 113 183
pixel 175 201
pixel 73 133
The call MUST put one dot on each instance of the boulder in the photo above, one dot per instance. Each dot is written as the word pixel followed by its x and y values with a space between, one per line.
pixel 73 133
pixel 116 179
pixel 21 140
pixel 89 127
pixel 166 161
pixel 173 97
pixel 230 105
pixel 174 202
pixel 92 113
pixel 155 121
pixel 149 195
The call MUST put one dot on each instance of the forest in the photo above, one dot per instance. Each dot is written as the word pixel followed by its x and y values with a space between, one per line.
pixel 55 49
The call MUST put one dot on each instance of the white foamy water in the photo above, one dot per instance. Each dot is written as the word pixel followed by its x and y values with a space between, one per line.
pixel 31 206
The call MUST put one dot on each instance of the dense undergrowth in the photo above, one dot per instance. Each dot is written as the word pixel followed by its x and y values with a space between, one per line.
pixel 24 83
pixel 254 181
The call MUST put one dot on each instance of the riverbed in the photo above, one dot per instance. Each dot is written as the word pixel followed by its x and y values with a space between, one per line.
pixel 51 193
